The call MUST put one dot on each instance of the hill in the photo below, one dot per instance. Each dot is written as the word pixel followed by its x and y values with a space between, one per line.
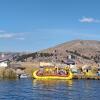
pixel 84 51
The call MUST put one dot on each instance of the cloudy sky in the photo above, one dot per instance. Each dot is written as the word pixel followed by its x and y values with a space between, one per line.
pixel 30 25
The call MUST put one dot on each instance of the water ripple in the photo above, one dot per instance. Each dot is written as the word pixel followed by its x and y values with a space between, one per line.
pixel 28 89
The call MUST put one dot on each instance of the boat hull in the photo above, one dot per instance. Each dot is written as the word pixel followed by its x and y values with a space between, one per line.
pixel 70 76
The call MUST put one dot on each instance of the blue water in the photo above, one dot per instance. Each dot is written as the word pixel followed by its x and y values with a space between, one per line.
pixel 28 89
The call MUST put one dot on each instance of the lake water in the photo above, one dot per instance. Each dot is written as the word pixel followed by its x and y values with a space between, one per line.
pixel 28 89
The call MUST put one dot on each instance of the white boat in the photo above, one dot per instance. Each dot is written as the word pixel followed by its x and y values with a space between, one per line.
pixel 23 76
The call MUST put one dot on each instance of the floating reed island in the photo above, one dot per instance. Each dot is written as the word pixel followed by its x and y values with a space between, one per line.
pixel 84 72
pixel 86 77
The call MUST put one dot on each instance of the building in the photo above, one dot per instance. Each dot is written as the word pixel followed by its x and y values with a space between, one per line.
pixel 70 62
pixel 4 63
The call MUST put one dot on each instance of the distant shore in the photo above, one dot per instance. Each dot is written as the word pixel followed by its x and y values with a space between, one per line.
pixel 30 67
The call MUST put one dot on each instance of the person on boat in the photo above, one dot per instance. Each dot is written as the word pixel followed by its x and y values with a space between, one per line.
pixel 98 72
pixel 41 70
pixel 61 72
pixel 56 70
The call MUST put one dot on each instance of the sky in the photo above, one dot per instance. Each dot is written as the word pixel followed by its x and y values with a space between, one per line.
pixel 33 25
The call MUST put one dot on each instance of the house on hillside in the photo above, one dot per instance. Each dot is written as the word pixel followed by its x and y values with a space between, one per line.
pixel 70 62
pixel 4 63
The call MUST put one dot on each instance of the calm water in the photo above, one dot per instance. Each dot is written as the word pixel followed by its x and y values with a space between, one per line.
pixel 27 89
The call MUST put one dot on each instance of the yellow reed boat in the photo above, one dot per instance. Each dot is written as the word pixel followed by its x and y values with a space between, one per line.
pixel 67 76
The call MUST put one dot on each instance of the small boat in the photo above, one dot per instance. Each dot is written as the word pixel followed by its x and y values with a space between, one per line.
pixel 64 76
pixel 23 76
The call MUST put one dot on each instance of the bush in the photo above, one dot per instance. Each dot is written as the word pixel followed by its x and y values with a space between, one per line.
pixel 7 73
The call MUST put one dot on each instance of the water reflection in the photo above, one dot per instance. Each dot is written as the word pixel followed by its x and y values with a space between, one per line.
pixel 57 89
pixel 66 89
pixel 52 83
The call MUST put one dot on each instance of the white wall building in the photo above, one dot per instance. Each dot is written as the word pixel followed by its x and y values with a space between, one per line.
pixel 3 63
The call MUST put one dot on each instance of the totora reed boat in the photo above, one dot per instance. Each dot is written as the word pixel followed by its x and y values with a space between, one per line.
pixel 53 73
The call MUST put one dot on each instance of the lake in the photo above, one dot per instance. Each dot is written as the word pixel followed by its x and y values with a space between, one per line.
pixel 29 89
